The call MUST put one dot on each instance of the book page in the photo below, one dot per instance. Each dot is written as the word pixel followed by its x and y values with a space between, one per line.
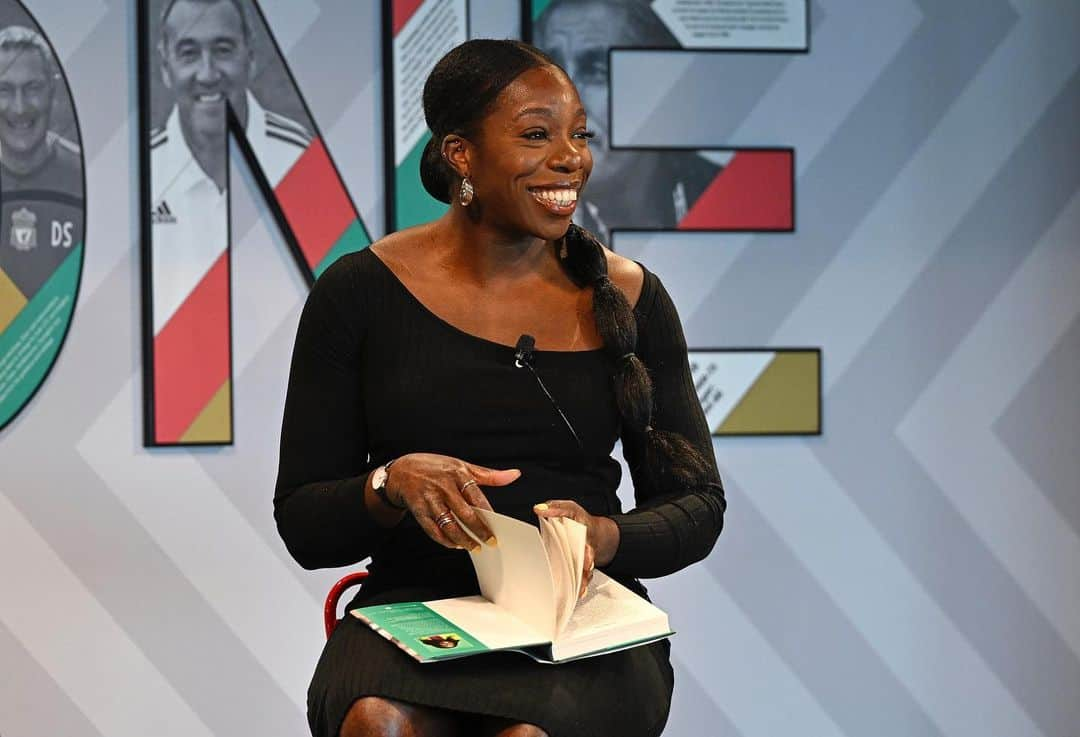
pixel 515 574
pixel 564 601
pixel 475 614
pixel 609 616
pixel 568 538
pixel 576 535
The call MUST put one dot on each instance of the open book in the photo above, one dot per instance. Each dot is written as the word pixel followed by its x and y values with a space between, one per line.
pixel 529 602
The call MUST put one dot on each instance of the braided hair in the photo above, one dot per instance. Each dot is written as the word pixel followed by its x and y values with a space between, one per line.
pixel 458 94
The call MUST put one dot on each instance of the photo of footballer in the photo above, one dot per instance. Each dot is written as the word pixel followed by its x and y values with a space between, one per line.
pixel 642 189
pixel 41 175
pixel 212 66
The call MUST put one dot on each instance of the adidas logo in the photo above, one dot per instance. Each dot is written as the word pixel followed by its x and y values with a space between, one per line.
pixel 162 215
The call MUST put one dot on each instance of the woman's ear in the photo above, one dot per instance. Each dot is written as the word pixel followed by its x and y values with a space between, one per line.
pixel 456 150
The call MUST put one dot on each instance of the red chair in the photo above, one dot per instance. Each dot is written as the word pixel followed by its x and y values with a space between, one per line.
pixel 330 618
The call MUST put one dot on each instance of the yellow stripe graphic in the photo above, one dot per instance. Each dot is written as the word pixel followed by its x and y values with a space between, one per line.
pixel 11 301
pixel 784 399
pixel 212 424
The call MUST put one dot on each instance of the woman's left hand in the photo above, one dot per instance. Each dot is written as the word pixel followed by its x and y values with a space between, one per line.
pixel 601 539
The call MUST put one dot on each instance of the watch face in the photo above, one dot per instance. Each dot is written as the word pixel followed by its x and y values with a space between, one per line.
pixel 378 478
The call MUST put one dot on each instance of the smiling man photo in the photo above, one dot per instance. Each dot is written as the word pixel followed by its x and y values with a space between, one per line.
pixel 40 170
pixel 209 56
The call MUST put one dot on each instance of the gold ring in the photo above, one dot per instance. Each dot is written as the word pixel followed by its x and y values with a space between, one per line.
pixel 444 519
pixel 467 484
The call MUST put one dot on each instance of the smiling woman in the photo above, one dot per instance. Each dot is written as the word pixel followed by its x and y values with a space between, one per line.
pixel 406 403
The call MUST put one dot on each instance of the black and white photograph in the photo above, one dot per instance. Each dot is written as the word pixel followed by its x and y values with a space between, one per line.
pixel 212 59
pixel 41 173
pixel 630 189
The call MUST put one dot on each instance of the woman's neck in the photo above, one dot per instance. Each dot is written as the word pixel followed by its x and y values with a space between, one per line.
pixel 487 254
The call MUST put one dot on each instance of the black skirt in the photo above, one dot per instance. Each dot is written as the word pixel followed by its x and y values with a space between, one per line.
pixel 627 693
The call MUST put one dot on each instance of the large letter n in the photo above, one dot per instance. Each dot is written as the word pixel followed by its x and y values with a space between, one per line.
pixel 208 68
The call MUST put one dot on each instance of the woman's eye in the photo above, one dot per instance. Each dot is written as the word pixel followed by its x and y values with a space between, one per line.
pixel 537 135
pixel 586 135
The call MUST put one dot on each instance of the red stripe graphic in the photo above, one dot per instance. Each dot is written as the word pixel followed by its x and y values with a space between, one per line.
pixel 403 10
pixel 191 354
pixel 753 192
pixel 315 203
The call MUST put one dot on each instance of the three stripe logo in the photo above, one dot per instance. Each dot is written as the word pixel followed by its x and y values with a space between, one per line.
pixel 162 214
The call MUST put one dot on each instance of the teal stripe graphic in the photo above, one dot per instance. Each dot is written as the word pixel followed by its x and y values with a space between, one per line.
pixel 412 204
pixel 31 341
pixel 353 239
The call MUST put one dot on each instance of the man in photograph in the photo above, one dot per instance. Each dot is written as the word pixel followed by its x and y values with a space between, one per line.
pixel 628 189
pixel 207 61
pixel 40 171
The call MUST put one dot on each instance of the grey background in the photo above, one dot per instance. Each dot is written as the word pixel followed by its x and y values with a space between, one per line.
pixel 913 571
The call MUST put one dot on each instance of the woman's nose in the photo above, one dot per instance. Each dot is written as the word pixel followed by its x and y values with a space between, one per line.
pixel 568 157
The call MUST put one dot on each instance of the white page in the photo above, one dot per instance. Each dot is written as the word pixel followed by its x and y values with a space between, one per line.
pixel 571 536
pixel 487 622
pixel 609 616
pixel 569 593
pixel 576 535
pixel 515 574
pixel 557 564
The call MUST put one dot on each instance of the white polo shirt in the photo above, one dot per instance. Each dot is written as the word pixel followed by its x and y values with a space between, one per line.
pixel 189 228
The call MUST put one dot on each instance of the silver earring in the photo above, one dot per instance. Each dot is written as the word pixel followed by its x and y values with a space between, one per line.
pixel 465 196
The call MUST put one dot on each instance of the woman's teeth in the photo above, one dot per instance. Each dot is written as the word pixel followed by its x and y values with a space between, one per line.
pixel 560 197
pixel 216 97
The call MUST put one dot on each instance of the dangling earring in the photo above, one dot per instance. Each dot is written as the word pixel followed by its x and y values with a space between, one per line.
pixel 465 196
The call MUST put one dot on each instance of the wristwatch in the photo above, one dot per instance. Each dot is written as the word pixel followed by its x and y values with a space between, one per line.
pixel 378 484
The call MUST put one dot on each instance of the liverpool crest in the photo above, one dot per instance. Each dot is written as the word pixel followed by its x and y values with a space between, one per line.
pixel 23 229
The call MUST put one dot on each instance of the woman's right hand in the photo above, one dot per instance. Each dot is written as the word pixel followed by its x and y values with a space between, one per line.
pixel 431 486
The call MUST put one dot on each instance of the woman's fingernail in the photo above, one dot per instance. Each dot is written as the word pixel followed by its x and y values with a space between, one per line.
pixel 492 542
pixel 540 507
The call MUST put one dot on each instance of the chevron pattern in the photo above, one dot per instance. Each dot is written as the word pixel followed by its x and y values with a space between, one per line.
pixel 911 571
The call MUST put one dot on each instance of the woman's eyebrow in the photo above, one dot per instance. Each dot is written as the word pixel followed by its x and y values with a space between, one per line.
pixel 546 112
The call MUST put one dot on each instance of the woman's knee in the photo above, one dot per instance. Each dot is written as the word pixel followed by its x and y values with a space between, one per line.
pixel 373 716
pixel 521 730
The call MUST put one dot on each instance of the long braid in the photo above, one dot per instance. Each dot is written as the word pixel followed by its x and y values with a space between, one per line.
pixel 671 462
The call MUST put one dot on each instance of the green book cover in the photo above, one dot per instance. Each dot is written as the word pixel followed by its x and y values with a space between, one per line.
pixel 421 632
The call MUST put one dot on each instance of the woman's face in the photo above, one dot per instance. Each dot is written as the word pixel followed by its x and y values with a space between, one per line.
pixel 531 156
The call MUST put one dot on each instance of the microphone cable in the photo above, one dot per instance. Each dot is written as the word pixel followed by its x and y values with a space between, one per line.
pixel 523 358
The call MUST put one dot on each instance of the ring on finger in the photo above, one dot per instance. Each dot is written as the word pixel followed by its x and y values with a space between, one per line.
pixel 467 484
pixel 444 519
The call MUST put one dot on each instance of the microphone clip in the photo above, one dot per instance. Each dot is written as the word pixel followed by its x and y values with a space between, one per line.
pixel 523 351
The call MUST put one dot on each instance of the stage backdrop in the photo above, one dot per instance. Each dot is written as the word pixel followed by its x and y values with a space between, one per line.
pixel 911 569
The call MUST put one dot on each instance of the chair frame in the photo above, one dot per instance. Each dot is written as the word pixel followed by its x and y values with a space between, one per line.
pixel 330 617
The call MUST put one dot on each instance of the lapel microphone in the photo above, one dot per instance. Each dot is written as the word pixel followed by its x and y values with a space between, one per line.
pixel 523 351
pixel 523 358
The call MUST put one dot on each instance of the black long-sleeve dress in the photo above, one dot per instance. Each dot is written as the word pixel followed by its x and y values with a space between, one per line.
pixel 376 375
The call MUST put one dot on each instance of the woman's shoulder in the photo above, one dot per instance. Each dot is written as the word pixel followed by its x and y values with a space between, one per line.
pixel 635 281
pixel 368 268
pixel 401 248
